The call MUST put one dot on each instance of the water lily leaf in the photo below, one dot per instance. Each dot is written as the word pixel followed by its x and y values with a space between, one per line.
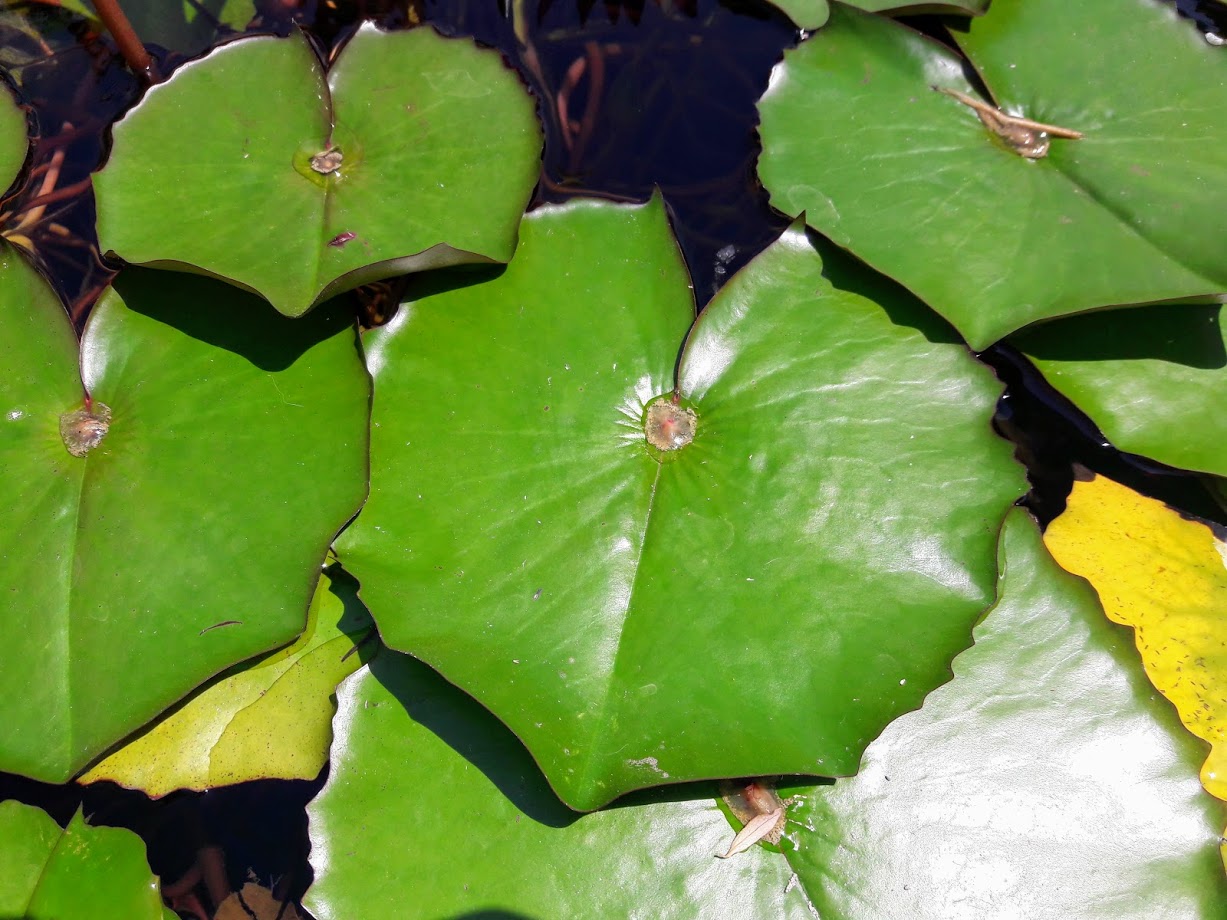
pixel 807 14
pixel 1147 376
pixel 268 719
pixel 12 138
pixel 1046 780
pixel 172 526
pixel 317 183
pixel 526 537
pixel 53 873
pixel 856 136
pixel 189 26
pixel 952 7
pixel 400 726
pixel 1165 575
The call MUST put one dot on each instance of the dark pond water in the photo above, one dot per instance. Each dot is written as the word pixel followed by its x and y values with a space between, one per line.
pixel 634 96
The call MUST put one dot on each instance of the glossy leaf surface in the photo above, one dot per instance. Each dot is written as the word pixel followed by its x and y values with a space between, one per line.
pixel 1165 575
pixel 909 179
pixel 804 570
pixel 507 847
pixel 807 14
pixel 74 873
pixel 1149 377
pixel 911 7
pixel 12 138
pixel 236 450
pixel 431 164
pixel 268 720
pixel 1047 780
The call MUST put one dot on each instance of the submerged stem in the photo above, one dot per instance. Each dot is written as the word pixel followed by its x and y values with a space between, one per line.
pixel 130 44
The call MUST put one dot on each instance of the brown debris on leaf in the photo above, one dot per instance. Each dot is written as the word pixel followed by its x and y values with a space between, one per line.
pixel 759 808
pixel 1027 138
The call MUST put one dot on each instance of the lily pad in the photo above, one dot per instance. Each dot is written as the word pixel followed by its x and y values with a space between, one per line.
pixel 912 7
pixel 1161 573
pixel 265 720
pixel 220 449
pixel 807 14
pixel 859 133
pixel 319 183
pixel 399 726
pixel 53 873
pixel 1148 377
pixel 13 140
pixel 1046 780
pixel 800 573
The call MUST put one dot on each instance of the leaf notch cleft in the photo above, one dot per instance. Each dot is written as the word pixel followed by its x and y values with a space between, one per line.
pixel 83 429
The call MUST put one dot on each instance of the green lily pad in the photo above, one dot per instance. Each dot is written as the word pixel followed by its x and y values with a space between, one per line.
pixel 223 447
pixel 509 847
pixel 13 142
pixel 189 26
pixel 1149 377
pixel 909 179
pixel 1048 779
pixel 807 14
pixel 267 719
pixel 801 573
pixel 911 7
pixel 316 184
pixel 53 873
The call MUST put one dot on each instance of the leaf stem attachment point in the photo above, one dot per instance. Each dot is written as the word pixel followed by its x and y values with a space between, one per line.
pixel 668 425
pixel 328 161
pixel 83 429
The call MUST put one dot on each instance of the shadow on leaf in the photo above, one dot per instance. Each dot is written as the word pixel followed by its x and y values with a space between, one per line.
pixel 226 317
pixel 845 272
pixel 473 733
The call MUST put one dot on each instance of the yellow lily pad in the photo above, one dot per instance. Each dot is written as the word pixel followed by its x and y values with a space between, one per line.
pixel 1165 575
pixel 268 719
